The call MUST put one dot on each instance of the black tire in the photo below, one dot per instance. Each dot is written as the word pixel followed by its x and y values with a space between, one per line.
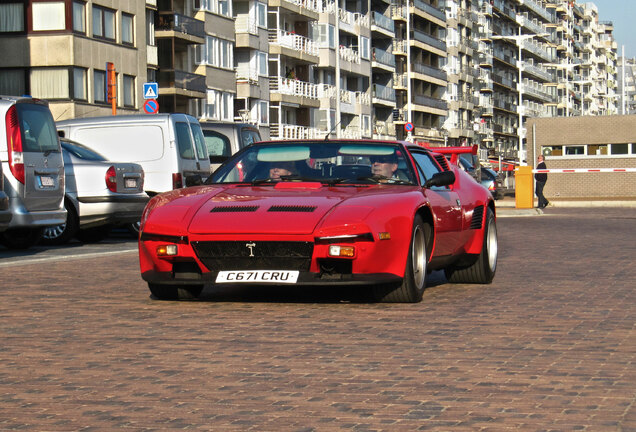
pixel 414 282
pixel 21 238
pixel 95 234
pixel 482 271
pixel 133 228
pixel 62 234
pixel 175 292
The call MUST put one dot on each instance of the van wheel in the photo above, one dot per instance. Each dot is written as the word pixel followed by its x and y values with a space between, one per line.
pixel 21 238
pixel 62 234
pixel 94 235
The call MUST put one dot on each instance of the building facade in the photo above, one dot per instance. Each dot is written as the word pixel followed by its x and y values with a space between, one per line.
pixel 455 72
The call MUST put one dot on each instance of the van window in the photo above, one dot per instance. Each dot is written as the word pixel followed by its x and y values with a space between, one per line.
pixel 184 140
pixel 38 128
pixel 217 143
pixel 199 141
pixel 248 137
pixel 132 143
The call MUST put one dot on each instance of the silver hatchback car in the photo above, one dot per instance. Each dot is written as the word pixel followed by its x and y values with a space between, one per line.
pixel 33 169
pixel 99 195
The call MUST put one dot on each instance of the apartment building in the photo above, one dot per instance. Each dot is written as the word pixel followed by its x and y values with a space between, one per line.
pixel 627 85
pixel 62 50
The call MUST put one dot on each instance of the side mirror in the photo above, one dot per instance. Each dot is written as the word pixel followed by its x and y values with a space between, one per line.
pixel 193 180
pixel 445 178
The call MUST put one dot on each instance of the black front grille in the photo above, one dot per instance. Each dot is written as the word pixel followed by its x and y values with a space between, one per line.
pixel 254 255
pixel 478 216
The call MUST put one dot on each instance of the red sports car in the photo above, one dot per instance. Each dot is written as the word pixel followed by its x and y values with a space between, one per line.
pixel 377 214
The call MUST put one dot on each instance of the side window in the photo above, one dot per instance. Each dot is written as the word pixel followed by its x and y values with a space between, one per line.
pixel 217 143
pixel 184 142
pixel 199 141
pixel 249 137
pixel 426 166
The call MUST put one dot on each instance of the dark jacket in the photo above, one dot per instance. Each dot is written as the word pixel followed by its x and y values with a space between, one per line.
pixel 541 177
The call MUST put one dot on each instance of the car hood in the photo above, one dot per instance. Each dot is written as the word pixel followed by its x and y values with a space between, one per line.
pixel 286 208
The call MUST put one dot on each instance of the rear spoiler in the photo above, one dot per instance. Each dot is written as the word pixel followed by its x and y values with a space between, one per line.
pixel 454 152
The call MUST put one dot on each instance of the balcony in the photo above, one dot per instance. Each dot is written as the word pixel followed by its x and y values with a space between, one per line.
pixel 182 26
pixel 383 93
pixel 429 40
pixel 383 57
pixel 537 50
pixel 537 8
pixel 181 80
pixel 430 102
pixel 293 87
pixel 429 71
pixel 400 47
pixel 293 41
pixel 349 54
pixel 437 13
pixel 245 24
pixel 383 22
pixel 294 132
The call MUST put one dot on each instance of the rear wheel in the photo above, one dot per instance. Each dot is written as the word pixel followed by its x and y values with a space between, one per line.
pixel 482 271
pixel 175 292
pixel 414 282
pixel 61 234
pixel 21 238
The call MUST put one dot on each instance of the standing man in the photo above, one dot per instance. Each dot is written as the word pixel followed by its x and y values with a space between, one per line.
pixel 540 179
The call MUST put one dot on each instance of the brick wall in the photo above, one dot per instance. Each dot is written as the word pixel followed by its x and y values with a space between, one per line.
pixel 580 131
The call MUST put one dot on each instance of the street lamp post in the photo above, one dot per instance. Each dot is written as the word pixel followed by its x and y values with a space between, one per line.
pixel 520 109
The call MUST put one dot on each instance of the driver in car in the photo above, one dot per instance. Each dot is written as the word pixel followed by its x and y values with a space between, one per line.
pixel 279 169
pixel 384 165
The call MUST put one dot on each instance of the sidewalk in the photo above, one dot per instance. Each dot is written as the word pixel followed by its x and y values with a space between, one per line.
pixel 507 205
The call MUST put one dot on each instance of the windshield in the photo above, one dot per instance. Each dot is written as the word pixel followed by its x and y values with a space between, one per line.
pixel 326 162
pixel 80 151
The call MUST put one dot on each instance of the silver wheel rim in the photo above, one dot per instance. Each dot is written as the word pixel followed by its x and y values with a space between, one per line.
pixel 491 244
pixel 53 232
pixel 418 257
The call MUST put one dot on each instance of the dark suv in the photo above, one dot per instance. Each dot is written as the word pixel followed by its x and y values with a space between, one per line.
pixel 33 170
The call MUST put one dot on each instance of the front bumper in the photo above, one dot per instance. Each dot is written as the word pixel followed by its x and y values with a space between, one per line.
pixel 304 279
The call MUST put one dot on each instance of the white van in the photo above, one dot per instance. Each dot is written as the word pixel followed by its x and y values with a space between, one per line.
pixel 169 147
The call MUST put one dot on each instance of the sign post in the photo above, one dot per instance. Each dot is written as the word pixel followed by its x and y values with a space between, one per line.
pixel 112 86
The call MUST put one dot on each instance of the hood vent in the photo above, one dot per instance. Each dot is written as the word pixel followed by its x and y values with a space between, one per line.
pixel 234 209
pixel 292 208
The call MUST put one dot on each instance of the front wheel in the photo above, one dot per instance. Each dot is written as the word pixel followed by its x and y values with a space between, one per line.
pixel 414 282
pixel 482 271
pixel 175 292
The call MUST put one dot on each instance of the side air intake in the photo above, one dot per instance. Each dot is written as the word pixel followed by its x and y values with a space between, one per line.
pixel 478 217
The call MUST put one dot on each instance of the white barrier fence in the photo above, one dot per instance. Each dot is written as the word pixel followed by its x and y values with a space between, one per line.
pixel 582 170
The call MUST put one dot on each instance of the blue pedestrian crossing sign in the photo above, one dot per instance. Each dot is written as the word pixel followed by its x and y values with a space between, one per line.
pixel 151 90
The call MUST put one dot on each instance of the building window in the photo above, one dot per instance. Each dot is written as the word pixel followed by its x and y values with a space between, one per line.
pixel 79 17
pixel 221 7
pixel 127 34
pixel 620 149
pixel 103 23
pixel 50 83
pixel 366 125
pixel 13 82
pixel 48 16
pixel 263 114
pixel 262 63
pixel 150 27
pixel 79 84
pixel 261 14
pixel 11 17
pixel 99 86
pixel 129 91
pixel 364 48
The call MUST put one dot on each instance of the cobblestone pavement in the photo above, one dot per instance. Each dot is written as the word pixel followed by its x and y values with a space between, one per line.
pixel 550 345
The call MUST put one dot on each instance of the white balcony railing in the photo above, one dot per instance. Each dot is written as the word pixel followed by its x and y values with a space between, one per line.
pixel 349 54
pixel 294 87
pixel 294 41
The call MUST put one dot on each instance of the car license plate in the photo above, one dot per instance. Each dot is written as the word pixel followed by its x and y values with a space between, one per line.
pixel 243 276
pixel 131 183
pixel 47 181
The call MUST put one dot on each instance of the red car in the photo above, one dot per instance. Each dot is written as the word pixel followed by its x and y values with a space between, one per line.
pixel 377 214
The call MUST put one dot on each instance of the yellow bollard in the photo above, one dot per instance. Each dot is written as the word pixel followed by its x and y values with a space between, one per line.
pixel 524 187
